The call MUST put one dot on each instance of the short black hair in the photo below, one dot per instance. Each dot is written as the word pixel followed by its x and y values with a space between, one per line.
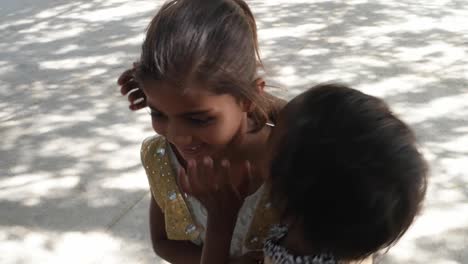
pixel 348 169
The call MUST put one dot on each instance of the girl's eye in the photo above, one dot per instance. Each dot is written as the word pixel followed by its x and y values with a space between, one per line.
pixel 201 121
pixel 156 114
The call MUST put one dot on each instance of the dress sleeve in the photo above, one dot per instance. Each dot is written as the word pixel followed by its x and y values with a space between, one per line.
pixel 149 154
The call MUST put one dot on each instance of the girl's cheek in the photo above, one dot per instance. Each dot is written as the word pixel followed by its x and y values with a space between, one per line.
pixel 159 128
pixel 218 135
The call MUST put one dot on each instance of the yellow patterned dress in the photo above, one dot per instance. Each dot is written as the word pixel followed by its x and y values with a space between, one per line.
pixel 185 218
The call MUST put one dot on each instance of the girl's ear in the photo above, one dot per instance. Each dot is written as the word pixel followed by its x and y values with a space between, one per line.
pixel 260 85
pixel 260 89
pixel 246 105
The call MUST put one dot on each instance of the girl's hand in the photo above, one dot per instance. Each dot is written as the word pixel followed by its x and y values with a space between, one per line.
pixel 128 85
pixel 252 257
pixel 214 188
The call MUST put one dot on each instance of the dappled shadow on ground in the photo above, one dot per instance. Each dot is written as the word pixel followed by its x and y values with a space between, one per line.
pixel 69 166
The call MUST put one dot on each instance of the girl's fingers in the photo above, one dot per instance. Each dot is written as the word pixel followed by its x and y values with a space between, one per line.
pixel 193 177
pixel 125 77
pixel 201 168
pixel 248 168
pixel 246 179
pixel 208 173
pixel 128 86
pixel 224 173
pixel 139 105
pixel 184 183
pixel 135 95
pixel 227 178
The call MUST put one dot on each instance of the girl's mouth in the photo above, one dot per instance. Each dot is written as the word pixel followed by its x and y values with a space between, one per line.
pixel 191 151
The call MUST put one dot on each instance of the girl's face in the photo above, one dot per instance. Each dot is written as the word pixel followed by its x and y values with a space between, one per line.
pixel 196 121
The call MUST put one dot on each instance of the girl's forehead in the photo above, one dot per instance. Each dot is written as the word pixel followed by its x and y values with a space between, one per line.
pixel 166 97
pixel 181 87
pixel 192 91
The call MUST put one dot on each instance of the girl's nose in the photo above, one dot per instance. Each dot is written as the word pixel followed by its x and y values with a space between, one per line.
pixel 182 140
pixel 178 134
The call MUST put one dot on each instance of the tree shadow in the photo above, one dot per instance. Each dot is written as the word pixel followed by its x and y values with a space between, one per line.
pixel 447 247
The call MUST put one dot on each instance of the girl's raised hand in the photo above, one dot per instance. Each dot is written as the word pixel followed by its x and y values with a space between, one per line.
pixel 252 257
pixel 213 186
pixel 128 85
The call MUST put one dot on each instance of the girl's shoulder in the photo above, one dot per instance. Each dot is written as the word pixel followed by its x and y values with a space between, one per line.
pixel 154 145
pixel 156 159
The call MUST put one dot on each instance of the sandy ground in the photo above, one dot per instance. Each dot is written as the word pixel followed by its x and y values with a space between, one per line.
pixel 71 186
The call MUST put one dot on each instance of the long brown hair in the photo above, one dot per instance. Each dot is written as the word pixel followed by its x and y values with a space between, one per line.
pixel 213 42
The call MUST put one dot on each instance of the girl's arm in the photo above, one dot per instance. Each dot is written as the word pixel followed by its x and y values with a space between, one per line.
pixel 183 252
pixel 216 247
pixel 218 238
pixel 215 189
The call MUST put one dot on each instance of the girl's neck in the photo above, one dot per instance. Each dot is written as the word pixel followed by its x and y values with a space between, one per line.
pixel 252 144
pixel 252 148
